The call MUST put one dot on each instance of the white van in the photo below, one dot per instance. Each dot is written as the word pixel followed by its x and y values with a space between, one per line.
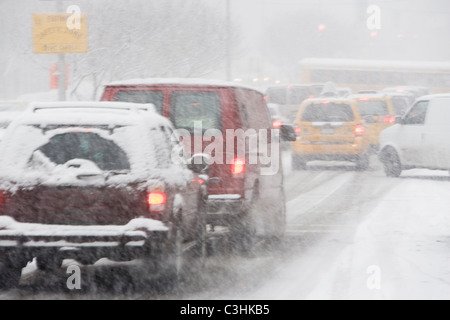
pixel 420 139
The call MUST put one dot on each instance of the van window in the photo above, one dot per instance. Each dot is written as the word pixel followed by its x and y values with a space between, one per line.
pixel 372 108
pixel 187 107
pixel 254 109
pixel 417 114
pixel 329 112
pixel 141 96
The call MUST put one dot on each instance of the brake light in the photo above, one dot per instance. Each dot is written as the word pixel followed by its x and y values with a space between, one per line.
pixel 359 130
pixel 156 201
pixel 389 119
pixel 297 131
pixel 276 123
pixel 311 96
pixel 2 201
pixel 237 166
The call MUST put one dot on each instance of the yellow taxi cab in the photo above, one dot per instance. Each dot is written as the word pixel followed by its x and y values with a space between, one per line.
pixel 378 112
pixel 330 129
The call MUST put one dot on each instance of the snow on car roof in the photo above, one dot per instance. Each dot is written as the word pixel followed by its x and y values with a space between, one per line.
pixel 95 112
pixel 438 95
pixel 181 81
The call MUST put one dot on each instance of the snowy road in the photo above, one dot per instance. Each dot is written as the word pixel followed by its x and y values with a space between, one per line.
pixel 354 235
pixel 350 235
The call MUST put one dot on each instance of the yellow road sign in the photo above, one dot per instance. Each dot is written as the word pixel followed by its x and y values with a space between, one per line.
pixel 54 33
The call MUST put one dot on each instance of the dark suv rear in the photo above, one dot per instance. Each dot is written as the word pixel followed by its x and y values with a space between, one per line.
pixel 231 123
pixel 91 180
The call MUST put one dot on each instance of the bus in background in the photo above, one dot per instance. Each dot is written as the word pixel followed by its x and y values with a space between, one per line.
pixel 377 74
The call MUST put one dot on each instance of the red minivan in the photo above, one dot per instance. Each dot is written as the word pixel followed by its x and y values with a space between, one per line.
pixel 231 123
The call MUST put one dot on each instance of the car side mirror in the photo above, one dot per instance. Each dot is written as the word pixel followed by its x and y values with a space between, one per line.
pixel 199 163
pixel 287 133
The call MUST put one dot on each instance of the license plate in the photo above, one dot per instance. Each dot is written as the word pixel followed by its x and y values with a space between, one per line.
pixel 327 131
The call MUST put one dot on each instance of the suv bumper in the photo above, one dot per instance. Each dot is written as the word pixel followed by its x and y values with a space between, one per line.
pixel 112 241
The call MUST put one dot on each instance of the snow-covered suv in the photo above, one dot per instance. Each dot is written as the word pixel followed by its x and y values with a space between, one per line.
pixel 87 180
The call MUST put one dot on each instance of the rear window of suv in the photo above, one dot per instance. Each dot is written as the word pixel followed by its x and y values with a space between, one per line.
pixel 328 112
pixel 372 108
pixel 189 107
pixel 140 96
pixel 106 154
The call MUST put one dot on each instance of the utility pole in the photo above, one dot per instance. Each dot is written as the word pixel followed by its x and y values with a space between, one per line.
pixel 61 65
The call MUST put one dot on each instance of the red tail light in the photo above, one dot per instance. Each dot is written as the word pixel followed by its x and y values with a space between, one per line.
pixel 2 201
pixel 310 96
pixel 276 124
pixel 297 131
pixel 237 166
pixel 359 130
pixel 389 119
pixel 156 201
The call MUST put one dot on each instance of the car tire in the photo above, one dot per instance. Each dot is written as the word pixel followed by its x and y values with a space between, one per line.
pixel 243 230
pixel 200 250
pixel 10 274
pixel 363 162
pixel 298 163
pixel 391 163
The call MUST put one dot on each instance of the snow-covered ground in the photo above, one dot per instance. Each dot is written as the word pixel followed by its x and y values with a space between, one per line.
pixel 393 246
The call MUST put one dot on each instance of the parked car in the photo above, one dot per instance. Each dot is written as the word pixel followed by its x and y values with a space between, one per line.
pixel 378 113
pixel 330 129
pixel 247 195
pixel 87 180
pixel 289 97
pixel 420 137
